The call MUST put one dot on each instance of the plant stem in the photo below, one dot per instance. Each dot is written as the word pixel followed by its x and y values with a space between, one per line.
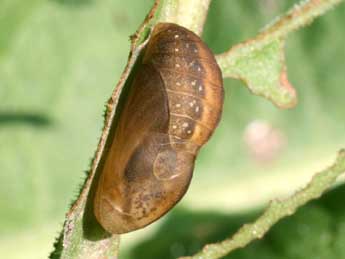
pixel 300 15
pixel 187 13
pixel 276 211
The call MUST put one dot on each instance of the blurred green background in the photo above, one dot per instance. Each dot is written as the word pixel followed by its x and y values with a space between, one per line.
pixel 59 62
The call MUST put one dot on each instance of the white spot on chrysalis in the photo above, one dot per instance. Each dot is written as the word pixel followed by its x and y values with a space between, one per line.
pixel 178 105
pixel 191 104
pixel 178 83
pixel 200 88
pixel 197 109
pixel 185 124
pixel 174 127
pixel 189 131
pixel 177 65
pixel 176 49
pixel 194 82
pixel 176 36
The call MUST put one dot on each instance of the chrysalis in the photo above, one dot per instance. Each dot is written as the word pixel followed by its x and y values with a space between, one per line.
pixel 172 108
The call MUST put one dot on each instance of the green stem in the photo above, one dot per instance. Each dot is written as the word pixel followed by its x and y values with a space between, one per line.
pixel 187 13
pixel 300 15
pixel 276 211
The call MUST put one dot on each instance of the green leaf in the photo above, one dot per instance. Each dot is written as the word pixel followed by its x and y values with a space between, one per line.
pixel 260 62
pixel 262 69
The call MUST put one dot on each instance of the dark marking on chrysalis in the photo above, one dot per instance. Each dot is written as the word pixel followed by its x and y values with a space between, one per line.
pixel 173 106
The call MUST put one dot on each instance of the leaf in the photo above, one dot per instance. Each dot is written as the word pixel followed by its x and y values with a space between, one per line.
pixel 260 61
pixel 263 71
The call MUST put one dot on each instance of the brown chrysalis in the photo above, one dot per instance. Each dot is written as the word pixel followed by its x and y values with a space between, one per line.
pixel 173 106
